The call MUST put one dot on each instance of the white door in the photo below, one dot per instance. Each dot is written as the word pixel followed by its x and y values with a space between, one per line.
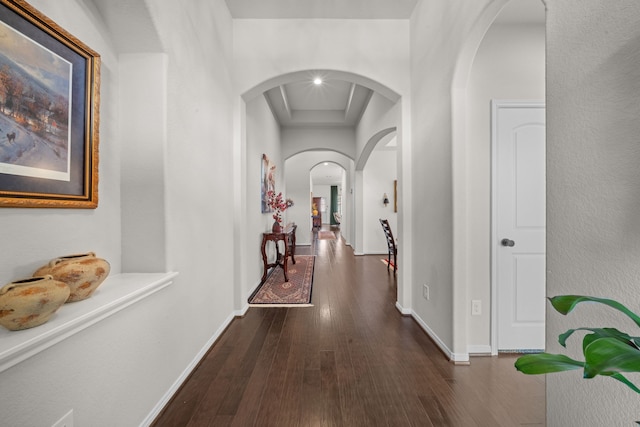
pixel 518 247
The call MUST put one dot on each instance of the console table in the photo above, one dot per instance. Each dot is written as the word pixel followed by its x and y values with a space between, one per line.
pixel 288 237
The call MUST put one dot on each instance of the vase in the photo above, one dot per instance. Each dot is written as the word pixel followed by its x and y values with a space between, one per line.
pixel 83 273
pixel 31 302
pixel 277 228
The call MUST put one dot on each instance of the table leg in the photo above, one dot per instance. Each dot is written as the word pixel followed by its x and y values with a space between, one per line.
pixel 286 257
pixel 293 247
pixel 264 260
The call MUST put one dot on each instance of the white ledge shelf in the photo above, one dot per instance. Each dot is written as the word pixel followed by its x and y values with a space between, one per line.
pixel 116 293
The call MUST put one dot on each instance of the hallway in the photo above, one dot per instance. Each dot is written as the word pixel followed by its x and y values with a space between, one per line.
pixel 350 360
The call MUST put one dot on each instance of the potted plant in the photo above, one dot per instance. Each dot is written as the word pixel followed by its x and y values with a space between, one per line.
pixel 607 351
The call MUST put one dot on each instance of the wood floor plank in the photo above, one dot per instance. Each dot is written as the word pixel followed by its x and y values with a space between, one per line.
pixel 349 360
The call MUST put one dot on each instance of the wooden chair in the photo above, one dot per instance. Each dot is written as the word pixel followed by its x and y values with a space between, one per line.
pixel 391 245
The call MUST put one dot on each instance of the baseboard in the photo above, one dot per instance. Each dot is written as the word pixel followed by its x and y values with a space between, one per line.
pixel 479 350
pixel 185 374
pixel 457 358
pixel 255 288
pixel 242 311
pixel 402 310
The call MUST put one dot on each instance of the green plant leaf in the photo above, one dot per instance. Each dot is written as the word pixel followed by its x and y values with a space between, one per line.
pixel 628 383
pixel 565 303
pixel 597 333
pixel 605 356
pixel 609 333
pixel 545 363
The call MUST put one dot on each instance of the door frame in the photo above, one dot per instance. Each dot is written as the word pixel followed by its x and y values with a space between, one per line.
pixel 496 104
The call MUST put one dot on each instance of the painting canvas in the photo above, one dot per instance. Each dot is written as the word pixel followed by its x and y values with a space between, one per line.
pixel 35 103
pixel 268 182
pixel 49 99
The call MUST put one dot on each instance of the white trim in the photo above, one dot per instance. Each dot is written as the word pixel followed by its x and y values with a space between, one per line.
pixel 185 374
pixel 454 357
pixel 403 311
pixel 254 289
pixel 479 349
pixel 496 104
pixel 115 294
pixel 242 311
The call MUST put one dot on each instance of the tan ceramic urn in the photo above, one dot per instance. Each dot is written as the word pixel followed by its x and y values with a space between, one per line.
pixel 31 302
pixel 83 273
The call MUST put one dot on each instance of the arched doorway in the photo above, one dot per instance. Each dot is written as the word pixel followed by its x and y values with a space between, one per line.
pixel 274 116
pixel 496 41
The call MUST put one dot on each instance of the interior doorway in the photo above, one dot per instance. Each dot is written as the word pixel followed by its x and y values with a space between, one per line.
pixel 518 225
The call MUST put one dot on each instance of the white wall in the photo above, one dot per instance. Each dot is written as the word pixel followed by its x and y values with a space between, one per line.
pixel 378 177
pixel 509 64
pixel 593 233
pixel 116 363
pixel 380 114
pixel 435 54
pixel 199 195
pixel 298 140
pixel 376 49
pixel 263 137
pixel 299 189
pixel 32 237
pixel 142 180
pixel 380 121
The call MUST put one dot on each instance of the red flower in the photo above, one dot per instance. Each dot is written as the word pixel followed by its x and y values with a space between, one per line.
pixel 277 203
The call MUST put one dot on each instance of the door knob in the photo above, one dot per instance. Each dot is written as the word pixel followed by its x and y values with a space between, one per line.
pixel 507 242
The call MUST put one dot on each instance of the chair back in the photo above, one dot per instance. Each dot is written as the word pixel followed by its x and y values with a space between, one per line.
pixel 391 243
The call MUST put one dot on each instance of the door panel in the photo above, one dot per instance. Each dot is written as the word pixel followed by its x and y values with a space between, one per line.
pixel 519 216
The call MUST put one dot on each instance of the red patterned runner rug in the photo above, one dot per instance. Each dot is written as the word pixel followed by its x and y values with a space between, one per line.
pixel 296 292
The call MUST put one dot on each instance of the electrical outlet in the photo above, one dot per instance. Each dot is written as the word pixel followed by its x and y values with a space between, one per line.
pixel 65 421
pixel 425 291
pixel 476 307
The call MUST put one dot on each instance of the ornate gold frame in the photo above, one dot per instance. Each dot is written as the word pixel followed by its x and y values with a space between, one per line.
pixel 81 190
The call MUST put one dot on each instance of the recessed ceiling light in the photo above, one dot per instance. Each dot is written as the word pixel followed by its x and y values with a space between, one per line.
pixel 317 81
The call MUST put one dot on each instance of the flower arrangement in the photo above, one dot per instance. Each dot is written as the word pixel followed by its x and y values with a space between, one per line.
pixel 278 204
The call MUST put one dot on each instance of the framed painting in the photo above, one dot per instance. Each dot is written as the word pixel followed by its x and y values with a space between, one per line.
pixel 49 113
pixel 267 182
pixel 395 195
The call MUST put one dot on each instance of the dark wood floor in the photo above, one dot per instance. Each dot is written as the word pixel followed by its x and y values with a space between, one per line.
pixel 350 360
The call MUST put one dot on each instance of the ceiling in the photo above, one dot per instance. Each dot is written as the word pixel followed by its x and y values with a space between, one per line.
pixel 334 102
pixel 321 9
pixel 516 11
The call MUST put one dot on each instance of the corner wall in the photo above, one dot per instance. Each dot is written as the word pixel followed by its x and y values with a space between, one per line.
pixel 263 137
pixel 134 359
pixel 435 55
pixel 593 197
